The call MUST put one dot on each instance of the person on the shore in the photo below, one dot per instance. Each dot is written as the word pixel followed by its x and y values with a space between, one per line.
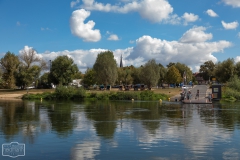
pixel 209 97
pixel 189 95
pixel 197 95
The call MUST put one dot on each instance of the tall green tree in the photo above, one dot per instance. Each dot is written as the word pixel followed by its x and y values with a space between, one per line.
pixel 182 68
pixel 105 67
pixel 150 73
pixel 224 70
pixel 43 81
pixel 63 70
pixel 9 65
pixel 78 75
pixel 170 64
pixel 89 77
pixel 31 66
pixel 237 69
pixel 28 57
pixel 173 75
pixel 27 76
pixel 1 79
pixel 125 75
pixel 136 74
pixel 128 75
pixel 207 69
pixel 120 78
pixel 162 73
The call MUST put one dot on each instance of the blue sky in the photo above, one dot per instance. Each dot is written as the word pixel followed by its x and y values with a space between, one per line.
pixel 186 31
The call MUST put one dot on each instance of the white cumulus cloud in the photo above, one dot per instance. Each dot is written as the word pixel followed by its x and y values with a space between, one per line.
pixel 81 29
pixel 156 11
pixel 163 51
pixel 192 49
pixel 231 25
pixel 74 3
pixel 237 59
pixel 153 10
pixel 189 17
pixel 234 3
pixel 211 13
pixel 193 53
pixel 113 37
pixel 195 35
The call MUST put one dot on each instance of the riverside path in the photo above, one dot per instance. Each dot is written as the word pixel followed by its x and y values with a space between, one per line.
pixel 203 95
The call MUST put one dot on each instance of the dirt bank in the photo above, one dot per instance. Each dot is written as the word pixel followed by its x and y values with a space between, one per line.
pixel 17 94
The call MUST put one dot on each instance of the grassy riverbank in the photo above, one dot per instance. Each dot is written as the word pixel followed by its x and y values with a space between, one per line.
pixel 114 94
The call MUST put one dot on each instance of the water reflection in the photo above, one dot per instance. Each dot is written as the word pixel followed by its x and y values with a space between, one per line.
pixel 61 118
pixel 199 136
pixel 94 130
pixel 85 150
pixel 104 116
pixel 19 116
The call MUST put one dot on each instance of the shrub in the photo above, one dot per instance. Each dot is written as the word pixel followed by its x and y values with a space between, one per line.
pixel 125 96
pixel 147 95
pixel 230 93
pixel 234 83
pixel 30 96
pixel 102 96
pixel 48 95
pixel 232 90
pixel 63 92
pixel 92 95
pixel 79 93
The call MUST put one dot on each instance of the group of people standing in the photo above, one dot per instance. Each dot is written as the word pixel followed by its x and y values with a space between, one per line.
pixel 188 95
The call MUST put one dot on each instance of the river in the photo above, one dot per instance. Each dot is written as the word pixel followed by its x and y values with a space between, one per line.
pixel 120 130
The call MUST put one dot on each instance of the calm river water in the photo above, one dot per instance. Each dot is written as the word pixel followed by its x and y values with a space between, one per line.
pixel 121 130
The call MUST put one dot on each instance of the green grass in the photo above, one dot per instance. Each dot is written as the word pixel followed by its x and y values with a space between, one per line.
pixel 78 93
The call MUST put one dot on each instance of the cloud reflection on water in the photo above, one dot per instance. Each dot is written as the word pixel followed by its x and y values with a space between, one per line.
pixel 195 135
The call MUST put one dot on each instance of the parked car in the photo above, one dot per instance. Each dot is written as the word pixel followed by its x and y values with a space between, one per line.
pixel 30 87
pixel 101 87
pixel 139 87
pixel 186 86
pixel 116 86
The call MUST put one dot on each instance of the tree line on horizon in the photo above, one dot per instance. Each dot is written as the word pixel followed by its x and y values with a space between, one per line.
pixel 28 67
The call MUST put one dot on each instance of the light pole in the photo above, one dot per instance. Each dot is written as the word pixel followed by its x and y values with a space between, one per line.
pixel 209 79
pixel 184 78
pixel 50 65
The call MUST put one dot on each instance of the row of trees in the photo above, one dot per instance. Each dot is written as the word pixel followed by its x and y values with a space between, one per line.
pixel 222 71
pixel 26 68
pixel 21 70
pixel 105 71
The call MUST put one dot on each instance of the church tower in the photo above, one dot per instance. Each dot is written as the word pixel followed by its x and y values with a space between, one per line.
pixel 121 64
